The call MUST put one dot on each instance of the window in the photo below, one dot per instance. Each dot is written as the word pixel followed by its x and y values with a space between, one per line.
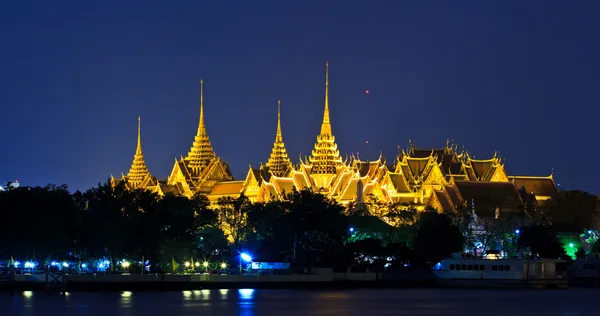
pixel 470 267
pixel 451 267
pixel 481 267
pixel 506 268
pixel 463 267
pixel 494 268
pixel 501 267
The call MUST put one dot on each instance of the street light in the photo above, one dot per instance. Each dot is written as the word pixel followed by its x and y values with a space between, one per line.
pixel 205 265
pixel 246 257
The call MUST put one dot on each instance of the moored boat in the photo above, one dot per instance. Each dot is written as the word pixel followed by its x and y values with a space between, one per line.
pixel 501 273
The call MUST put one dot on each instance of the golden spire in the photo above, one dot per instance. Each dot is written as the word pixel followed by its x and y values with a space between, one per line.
pixel 201 126
pixel 201 152
pixel 279 163
pixel 325 156
pixel 138 172
pixel 138 150
pixel 278 136
pixel 326 126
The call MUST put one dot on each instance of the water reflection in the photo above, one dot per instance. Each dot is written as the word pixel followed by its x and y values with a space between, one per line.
pixel 126 299
pixel 248 302
pixel 224 293
pixel 246 294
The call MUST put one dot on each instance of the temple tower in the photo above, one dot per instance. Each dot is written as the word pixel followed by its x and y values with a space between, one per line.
pixel 138 174
pixel 279 163
pixel 325 158
pixel 201 152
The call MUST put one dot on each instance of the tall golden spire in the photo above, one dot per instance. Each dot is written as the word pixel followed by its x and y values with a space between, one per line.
pixel 201 152
pixel 278 136
pixel 201 126
pixel 279 163
pixel 325 158
pixel 138 172
pixel 326 125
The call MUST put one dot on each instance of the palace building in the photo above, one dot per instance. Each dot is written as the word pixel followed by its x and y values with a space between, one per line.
pixel 441 178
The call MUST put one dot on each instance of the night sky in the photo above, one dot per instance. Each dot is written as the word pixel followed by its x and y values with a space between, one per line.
pixel 519 77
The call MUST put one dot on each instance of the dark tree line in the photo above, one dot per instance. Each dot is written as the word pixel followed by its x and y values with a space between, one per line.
pixel 304 228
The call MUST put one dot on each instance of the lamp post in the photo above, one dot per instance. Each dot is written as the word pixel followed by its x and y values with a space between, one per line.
pixel 245 257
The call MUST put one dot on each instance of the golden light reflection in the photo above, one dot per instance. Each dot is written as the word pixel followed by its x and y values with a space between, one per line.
pixel 27 294
pixel 223 293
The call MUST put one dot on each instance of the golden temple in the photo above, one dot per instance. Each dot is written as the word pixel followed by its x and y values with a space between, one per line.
pixel 444 179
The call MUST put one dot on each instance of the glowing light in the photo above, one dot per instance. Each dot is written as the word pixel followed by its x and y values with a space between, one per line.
pixel 197 264
pixel 351 229
pixel 84 265
pixel 223 265
pixel 366 142
pixel 517 231
pixel 205 264
pixel 125 264
pixel 366 91
pixel 28 294
pixel 246 294
pixel 29 265
pixel 186 264
pixel 54 263
pixel 246 257
pixel 571 245
pixel 65 264
pixel 17 263
pixel 126 294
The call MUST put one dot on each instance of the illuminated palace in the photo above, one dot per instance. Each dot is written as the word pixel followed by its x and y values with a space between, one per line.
pixel 444 178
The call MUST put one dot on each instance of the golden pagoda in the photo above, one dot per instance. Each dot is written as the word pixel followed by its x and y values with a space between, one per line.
pixel 138 176
pixel 279 163
pixel 201 169
pixel 325 161
pixel 445 178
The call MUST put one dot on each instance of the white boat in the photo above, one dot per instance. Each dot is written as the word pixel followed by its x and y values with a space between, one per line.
pixel 586 271
pixel 467 272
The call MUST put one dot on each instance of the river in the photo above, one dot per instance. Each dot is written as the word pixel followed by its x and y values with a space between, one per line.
pixel 249 302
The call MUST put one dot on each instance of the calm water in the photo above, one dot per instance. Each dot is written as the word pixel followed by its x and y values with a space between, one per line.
pixel 307 302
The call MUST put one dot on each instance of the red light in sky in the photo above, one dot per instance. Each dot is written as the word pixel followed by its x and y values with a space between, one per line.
pixel 366 91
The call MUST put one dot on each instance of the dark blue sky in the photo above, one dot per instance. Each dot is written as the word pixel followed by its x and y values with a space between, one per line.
pixel 520 77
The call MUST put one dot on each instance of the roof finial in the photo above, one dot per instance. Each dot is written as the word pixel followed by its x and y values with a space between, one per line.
pixel 201 126
pixel 279 136
pixel 138 150
pixel 326 126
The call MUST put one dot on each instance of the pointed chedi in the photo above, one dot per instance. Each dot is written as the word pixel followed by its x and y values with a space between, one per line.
pixel 325 158
pixel 279 163
pixel 138 175
pixel 201 152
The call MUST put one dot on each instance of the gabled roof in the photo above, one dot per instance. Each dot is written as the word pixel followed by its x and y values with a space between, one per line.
pixel 540 186
pixel 501 194
pixel 227 188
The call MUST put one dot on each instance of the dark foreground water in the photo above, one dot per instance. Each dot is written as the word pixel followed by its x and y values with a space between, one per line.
pixel 308 302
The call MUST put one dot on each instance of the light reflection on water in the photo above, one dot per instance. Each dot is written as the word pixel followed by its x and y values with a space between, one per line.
pixel 250 302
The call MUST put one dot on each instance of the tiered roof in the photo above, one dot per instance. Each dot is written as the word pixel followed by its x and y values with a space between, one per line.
pixel 325 158
pixel 279 163
pixel 201 153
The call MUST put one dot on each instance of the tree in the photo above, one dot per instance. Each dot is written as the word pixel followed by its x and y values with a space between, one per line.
pixel 574 211
pixel 542 242
pixel 233 218
pixel 437 237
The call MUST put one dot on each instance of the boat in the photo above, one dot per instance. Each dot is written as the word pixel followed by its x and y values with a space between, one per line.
pixel 585 271
pixel 501 273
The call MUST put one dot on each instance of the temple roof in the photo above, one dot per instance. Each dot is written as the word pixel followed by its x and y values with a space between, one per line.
pixel 227 188
pixel 500 194
pixel 540 186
